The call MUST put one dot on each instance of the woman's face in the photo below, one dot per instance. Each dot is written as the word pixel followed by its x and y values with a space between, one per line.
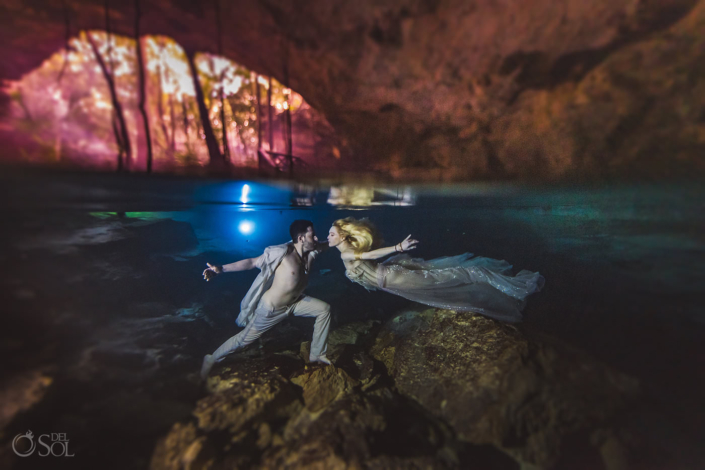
pixel 334 238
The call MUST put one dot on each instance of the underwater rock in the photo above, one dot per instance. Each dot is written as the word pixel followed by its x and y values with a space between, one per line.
pixel 182 449
pixel 241 398
pixel 431 389
pixel 361 431
pixel 323 385
pixel 496 384
pixel 254 417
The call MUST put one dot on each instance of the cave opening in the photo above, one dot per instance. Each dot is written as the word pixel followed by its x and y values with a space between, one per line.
pixel 81 107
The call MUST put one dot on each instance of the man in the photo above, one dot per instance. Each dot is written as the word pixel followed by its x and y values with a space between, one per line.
pixel 277 292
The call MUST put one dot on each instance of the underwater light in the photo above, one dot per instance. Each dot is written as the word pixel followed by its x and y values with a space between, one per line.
pixel 245 193
pixel 246 227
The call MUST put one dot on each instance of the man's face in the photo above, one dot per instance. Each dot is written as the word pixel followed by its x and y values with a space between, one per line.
pixel 309 240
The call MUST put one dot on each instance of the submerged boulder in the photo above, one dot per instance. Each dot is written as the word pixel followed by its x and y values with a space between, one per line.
pixel 318 417
pixel 495 384
pixel 435 389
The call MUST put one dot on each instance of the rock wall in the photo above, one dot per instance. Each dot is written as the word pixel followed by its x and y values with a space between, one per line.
pixel 534 89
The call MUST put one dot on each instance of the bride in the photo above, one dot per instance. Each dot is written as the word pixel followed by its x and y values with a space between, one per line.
pixel 461 283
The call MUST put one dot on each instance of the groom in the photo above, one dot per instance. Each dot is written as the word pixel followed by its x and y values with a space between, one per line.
pixel 277 292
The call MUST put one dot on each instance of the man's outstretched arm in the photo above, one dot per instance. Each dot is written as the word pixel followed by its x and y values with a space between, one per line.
pixel 243 265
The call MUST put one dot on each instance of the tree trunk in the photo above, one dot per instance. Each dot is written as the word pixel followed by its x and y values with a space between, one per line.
pixel 226 147
pixel 270 120
pixel 258 104
pixel 160 111
pixel 289 143
pixel 118 139
pixel 184 112
pixel 215 158
pixel 126 152
pixel 67 41
pixel 287 117
pixel 282 129
pixel 219 32
pixel 172 115
pixel 140 70
pixel 116 106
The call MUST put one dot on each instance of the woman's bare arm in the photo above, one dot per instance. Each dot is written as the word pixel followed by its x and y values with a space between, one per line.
pixel 408 244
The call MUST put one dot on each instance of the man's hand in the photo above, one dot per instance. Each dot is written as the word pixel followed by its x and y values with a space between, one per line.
pixel 211 271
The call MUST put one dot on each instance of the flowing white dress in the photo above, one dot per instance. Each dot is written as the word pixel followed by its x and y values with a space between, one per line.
pixel 462 283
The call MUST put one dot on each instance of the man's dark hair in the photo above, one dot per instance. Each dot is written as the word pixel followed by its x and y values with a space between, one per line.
pixel 299 227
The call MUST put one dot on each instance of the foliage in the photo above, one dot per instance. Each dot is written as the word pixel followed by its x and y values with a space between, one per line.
pixel 65 106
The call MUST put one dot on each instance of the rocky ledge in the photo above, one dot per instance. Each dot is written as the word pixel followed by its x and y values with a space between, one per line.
pixel 431 389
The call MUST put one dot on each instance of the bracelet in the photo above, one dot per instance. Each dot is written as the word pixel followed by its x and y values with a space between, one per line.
pixel 358 256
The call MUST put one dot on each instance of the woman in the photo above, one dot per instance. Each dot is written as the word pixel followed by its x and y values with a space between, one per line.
pixel 461 283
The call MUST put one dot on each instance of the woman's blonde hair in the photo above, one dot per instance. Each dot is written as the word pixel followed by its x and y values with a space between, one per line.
pixel 361 234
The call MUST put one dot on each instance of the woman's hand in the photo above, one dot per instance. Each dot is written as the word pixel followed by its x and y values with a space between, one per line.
pixel 408 244
pixel 211 271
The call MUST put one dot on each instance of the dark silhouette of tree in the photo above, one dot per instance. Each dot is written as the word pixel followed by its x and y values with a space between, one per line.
pixel 184 115
pixel 270 118
pixel 121 137
pixel 287 117
pixel 219 32
pixel 172 115
pixel 258 105
pixel 118 138
pixel 216 159
pixel 123 146
pixel 67 40
pixel 120 127
pixel 141 85
pixel 226 147
pixel 160 111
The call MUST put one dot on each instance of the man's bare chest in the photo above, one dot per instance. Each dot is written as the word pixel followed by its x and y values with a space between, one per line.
pixel 292 269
